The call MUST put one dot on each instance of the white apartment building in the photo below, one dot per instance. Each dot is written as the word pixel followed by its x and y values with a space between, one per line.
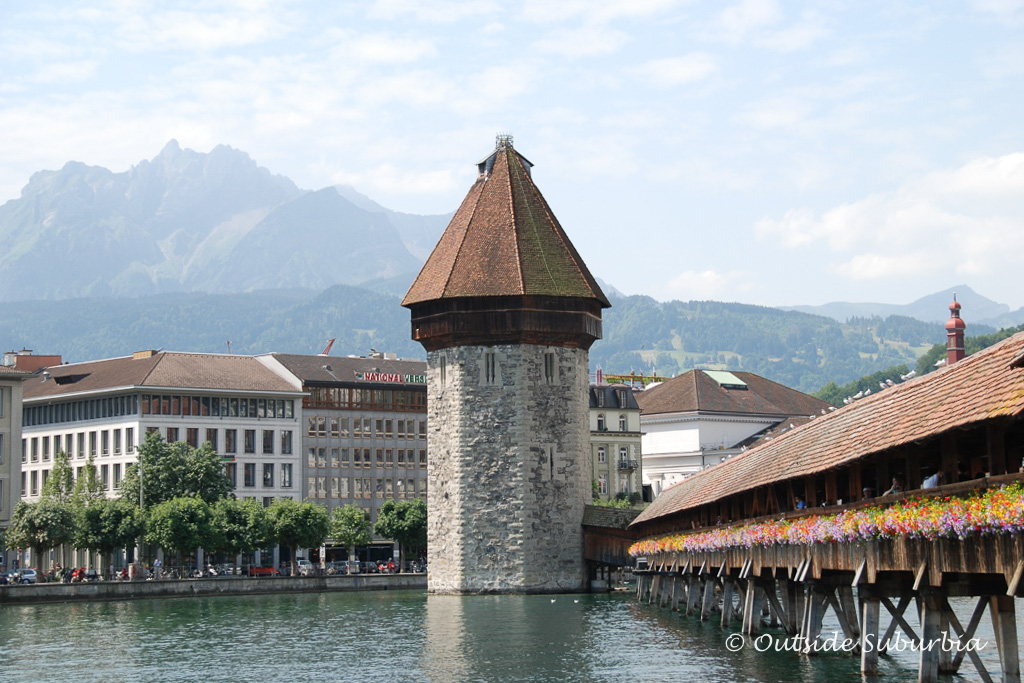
pixel 105 408
pixel 615 440
pixel 703 417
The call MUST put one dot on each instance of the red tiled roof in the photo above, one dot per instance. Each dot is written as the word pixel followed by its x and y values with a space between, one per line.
pixel 696 391
pixel 979 387
pixel 504 240
pixel 165 369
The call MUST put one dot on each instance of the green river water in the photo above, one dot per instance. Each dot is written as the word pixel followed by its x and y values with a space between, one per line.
pixel 394 636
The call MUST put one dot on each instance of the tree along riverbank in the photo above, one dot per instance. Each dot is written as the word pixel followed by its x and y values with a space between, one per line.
pixel 134 590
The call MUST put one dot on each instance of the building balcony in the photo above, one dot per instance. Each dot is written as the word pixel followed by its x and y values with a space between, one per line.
pixel 629 465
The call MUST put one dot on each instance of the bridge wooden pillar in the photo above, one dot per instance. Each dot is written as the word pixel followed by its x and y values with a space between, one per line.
pixel 709 597
pixel 931 635
pixel 870 611
pixel 752 608
pixel 1004 624
pixel 728 588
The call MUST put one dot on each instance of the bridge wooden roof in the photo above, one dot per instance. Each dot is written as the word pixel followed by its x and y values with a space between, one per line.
pixel 986 385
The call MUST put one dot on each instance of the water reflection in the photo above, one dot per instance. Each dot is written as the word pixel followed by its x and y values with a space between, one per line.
pixel 399 635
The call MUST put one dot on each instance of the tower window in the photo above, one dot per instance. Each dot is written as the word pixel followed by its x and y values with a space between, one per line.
pixel 490 368
pixel 549 368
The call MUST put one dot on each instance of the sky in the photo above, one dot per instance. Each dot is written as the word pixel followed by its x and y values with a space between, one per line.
pixel 758 151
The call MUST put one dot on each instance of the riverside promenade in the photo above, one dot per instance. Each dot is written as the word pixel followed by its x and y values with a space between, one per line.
pixel 181 588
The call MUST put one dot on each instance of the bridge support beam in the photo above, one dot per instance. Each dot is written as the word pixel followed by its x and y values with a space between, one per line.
pixel 709 598
pixel 728 588
pixel 1004 624
pixel 870 610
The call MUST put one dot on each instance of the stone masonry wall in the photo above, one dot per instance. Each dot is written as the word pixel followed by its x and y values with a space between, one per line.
pixel 509 470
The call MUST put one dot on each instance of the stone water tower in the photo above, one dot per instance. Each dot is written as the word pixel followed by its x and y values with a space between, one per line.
pixel 507 311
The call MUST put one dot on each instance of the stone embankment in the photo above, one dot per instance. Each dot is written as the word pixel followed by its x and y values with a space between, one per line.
pixel 135 590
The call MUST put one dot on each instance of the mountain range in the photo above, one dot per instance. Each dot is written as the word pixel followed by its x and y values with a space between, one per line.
pixel 189 250
pixel 192 222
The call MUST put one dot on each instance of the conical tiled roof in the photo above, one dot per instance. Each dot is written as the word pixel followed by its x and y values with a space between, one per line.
pixel 504 241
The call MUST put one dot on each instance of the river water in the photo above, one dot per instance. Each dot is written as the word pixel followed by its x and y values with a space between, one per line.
pixel 393 636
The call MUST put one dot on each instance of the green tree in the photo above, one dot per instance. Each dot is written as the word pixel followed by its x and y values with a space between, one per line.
pixel 350 527
pixel 107 525
pixel 239 526
pixel 404 522
pixel 41 526
pixel 175 470
pixel 180 524
pixel 298 525
pixel 60 485
pixel 88 487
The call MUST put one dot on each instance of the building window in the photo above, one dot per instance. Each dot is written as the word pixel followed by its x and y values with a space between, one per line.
pixel 105 476
pixel 311 487
pixel 286 475
pixel 35 483
pixel 600 398
pixel 380 429
pixel 335 427
pixel 230 440
pixel 490 368
pixel 321 487
pixel 250 473
pixel 268 441
pixel 600 423
pixel 311 456
pixel 211 437
pixel 389 457
pixel 335 457
pixel 250 440
pixel 117 475
pixel 343 492
pixel 286 443
pixel 129 441
pixel 423 459
pixel 268 475
pixel 231 470
pixel 117 442
pixel 602 455
pixel 321 426
pixel 172 434
pixel 311 426
pixel 622 423
pixel 335 485
pixel 321 457
pixel 602 484
pixel 549 368
pixel 192 437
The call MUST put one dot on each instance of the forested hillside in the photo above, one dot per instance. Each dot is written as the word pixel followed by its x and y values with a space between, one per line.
pixel 799 350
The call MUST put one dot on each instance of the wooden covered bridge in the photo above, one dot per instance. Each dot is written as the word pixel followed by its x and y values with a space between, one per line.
pixel 736 541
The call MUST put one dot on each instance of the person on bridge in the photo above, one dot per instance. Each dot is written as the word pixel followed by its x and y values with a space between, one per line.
pixel 897 487
pixel 932 481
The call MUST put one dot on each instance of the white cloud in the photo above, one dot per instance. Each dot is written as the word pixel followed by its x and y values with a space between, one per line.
pixel 384 49
pixel 740 20
pixel 598 11
pixel 584 41
pixel 675 71
pixel 964 221
pixel 435 11
pixel 706 285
